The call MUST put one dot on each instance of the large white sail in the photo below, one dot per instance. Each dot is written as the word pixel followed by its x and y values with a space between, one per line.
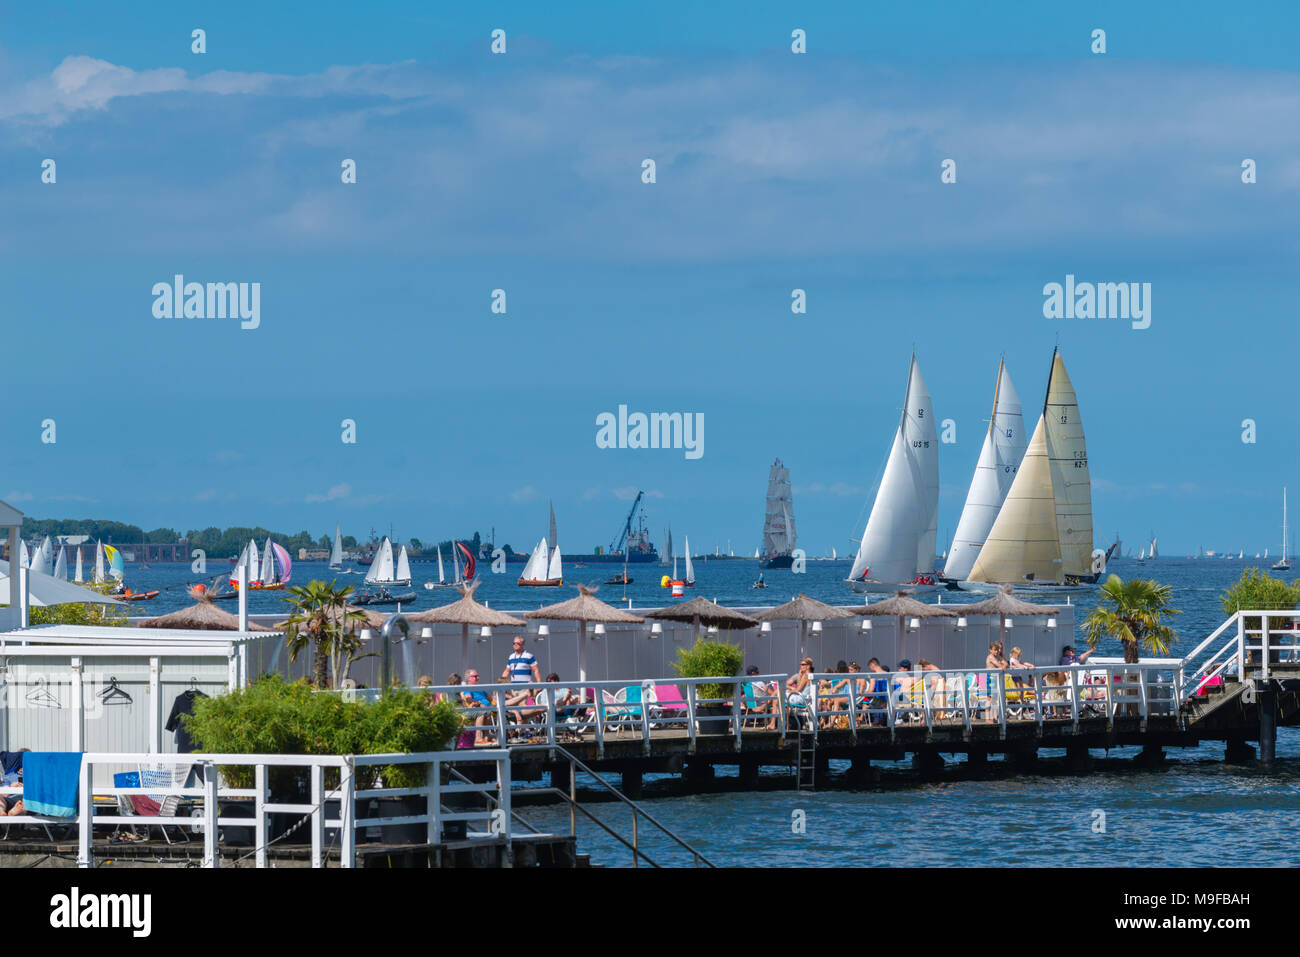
pixel 99 563
pixel 555 536
pixel 898 542
pixel 1154 553
pixel 1022 544
pixel 1000 457
pixel 79 574
pixel 254 561
pixel 690 569
pixel 778 521
pixel 61 566
pixel 535 570
pixel 555 568
pixel 267 573
pixel 1071 484
pixel 381 569
pixel 442 579
pixel 403 575
pixel 336 553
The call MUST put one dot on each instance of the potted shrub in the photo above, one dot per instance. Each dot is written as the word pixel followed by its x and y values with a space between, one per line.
pixel 711 659
pixel 273 716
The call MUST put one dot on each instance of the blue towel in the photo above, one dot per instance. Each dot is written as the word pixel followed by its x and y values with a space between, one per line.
pixel 50 780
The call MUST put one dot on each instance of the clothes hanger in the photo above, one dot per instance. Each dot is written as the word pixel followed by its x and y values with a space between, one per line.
pixel 40 695
pixel 113 691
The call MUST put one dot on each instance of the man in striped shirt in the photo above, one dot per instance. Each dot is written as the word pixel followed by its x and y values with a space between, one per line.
pixel 521 665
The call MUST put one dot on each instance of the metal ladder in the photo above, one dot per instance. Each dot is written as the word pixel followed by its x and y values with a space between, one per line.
pixel 806 770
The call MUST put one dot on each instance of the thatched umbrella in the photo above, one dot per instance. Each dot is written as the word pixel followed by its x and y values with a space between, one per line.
pixel 203 615
pixel 901 606
pixel 1005 605
pixel 803 609
pixel 465 611
pixel 701 611
pixel 582 609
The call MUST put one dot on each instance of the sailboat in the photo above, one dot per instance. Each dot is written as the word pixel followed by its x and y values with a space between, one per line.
pixel 1000 458
pixel 1282 564
pixel 336 552
pixel 1152 553
pixel 544 567
pixel 834 554
pixel 79 578
pixel 99 562
pixel 1042 538
pixel 897 548
pixel 42 557
pixel 442 578
pixel 778 521
pixel 61 566
pixel 383 573
pixel 668 548
pixel 689 580
pixel 1142 555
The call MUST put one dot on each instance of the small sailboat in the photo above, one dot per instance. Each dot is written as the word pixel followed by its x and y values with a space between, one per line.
pixel 897 548
pixel 544 568
pixel 442 578
pixel 42 557
pixel 1282 564
pixel 1142 555
pixel 384 572
pixel 61 566
pixel 80 575
pixel 336 551
pixel 99 562
pixel 689 580
pixel 778 521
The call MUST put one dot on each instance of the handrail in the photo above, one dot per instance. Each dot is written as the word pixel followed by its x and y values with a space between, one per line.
pixel 575 761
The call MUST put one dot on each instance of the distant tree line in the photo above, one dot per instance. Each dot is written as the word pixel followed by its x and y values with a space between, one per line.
pixel 221 542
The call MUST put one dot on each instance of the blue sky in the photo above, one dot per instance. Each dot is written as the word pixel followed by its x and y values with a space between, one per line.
pixel 522 172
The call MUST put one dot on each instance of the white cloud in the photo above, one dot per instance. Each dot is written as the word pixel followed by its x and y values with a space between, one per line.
pixel 335 493
pixel 523 495
pixel 19 497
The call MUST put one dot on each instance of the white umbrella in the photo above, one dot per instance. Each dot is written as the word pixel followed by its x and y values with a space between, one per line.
pixel 48 590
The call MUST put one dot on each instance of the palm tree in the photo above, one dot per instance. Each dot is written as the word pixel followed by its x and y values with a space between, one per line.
pixel 1131 611
pixel 321 617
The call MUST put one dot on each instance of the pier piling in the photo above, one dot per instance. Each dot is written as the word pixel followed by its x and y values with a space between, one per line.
pixel 1077 758
pixel 1266 697
pixel 631 781
pixel 927 762
pixel 1151 756
pixel 1238 752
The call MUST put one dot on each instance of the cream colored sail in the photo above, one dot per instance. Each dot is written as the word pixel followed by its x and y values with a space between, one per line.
pixel 1022 545
pixel 1071 486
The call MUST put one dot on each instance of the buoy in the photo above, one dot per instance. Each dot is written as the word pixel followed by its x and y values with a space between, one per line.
pixel 679 589
pixel 663 582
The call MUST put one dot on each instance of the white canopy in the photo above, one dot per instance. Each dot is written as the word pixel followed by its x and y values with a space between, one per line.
pixel 48 590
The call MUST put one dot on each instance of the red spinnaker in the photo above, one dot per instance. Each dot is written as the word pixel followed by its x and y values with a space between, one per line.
pixel 469 562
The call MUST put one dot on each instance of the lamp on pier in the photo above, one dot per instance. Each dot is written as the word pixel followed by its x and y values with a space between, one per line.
pixel 914 624
pixel 816 627
pixel 484 633
pixel 543 631
pixel 866 625
pixel 599 632
pixel 961 623
pixel 656 630
pixel 426 633
pixel 765 630
pixel 1051 623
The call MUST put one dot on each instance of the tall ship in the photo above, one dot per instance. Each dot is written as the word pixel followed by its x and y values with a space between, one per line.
pixel 897 548
pixel 632 546
pixel 778 522
pixel 1042 537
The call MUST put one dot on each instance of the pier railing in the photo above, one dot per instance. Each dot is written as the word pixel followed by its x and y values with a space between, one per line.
pixel 1258 642
pixel 606 712
pixel 333 814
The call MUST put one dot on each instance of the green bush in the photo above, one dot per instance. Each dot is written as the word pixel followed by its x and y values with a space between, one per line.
pixel 710 659
pixel 273 716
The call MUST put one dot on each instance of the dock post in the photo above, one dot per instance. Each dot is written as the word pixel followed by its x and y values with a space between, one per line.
pixel 749 772
pixel 927 762
pixel 1266 699
pixel 1151 756
pixel 631 782
pixel 1077 758
pixel 699 771
pixel 977 760
pixel 1238 752
pixel 1025 757
pixel 861 771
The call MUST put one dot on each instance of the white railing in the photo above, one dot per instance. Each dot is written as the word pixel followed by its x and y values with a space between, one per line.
pixel 604 712
pixel 208 814
pixel 1247 651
